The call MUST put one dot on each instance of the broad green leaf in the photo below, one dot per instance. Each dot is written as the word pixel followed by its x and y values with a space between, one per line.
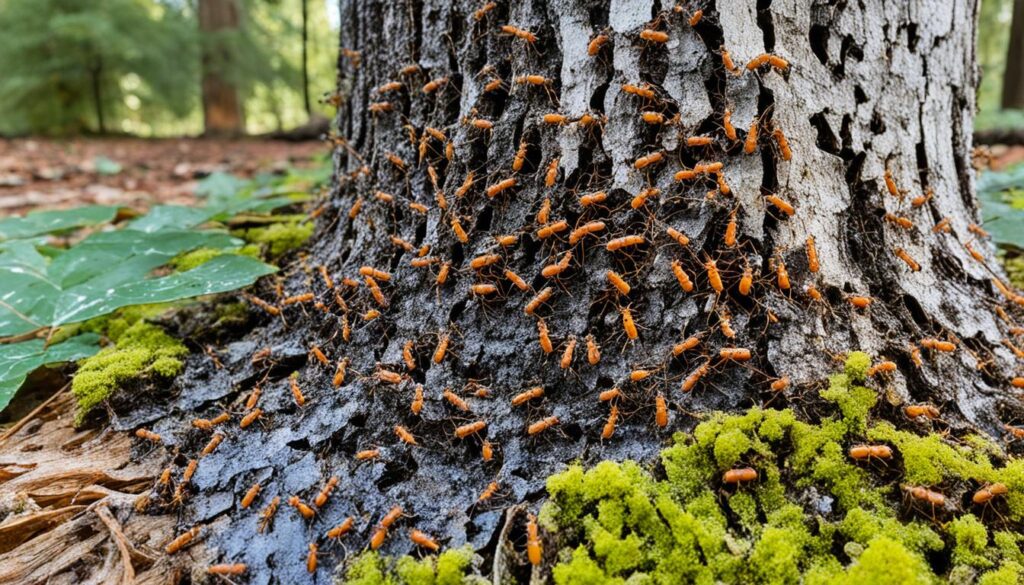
pixel 220 186
pixel 99 255
pixel 105 271
pixel 44 222
pixel 1000 210
pixel 18 360
pixel 105 166
pixel 222 274
pixel 180 217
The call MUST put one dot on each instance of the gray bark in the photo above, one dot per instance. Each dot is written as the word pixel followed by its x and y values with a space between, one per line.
pixel 869 88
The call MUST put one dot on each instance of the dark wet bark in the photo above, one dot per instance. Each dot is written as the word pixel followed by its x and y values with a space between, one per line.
pixel 867 90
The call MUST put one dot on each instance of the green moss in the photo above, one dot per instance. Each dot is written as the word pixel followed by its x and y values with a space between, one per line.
pixel 854 402
pixel 582 570
pixel 140 350
pixel 856 366
pixel 1009 573
pixel 200 256
pixel 415 572
pixel 1015 270
pixel 887 561
pixel 928 460
pixel 971 542
pixel 777 556
pixel 368 569
pixel 448 568
pixel 730 447
pixel 279 237
pixel 862 527
pixel 452 565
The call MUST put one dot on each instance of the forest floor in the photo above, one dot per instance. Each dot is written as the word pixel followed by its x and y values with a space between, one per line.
pixel 134 172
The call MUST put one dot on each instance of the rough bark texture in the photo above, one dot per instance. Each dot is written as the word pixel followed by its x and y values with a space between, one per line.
pixel 869 88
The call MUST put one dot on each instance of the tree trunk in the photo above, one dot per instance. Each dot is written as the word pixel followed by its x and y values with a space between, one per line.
pixel 305 57
pixel 867 90
pixel 1013 78
pixel 222 109
pixel 97 95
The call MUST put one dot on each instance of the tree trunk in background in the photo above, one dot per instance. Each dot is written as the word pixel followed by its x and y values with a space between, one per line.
pixel 1013 78
pixel 97 95
pixel 222 108
pixel 305 57
pixel 868 89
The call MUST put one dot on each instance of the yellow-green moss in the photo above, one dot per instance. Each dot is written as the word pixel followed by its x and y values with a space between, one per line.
pixel 970 542
pixel 856 366
pixel 450 567
pixel 1009 573
pixel 368 569
pixel 200 256
pixel 928 460
pixel 1015 270
pixel 887 561
pixel 140 350
pixel 279 237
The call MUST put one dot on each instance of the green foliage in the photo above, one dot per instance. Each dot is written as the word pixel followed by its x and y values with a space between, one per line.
pixel 448 568
pixel 992 41
pixel 141 350
pixel 109 270
pixel 1001 194
pixel 200 256
pixel 138 62
pixel 65 60
pixel 38 223
pixel 280 237
pixel 17 360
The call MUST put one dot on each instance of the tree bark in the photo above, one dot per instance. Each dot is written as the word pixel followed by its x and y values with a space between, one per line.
pixel 1013 78
pixel 869 89
pixel 305 58
pixel 97 95
pixel 222 108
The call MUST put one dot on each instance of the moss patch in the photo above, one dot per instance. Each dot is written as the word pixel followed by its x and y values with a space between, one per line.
pixel 447 568
pixel 142 349
pixel 200 256
pixel 279 238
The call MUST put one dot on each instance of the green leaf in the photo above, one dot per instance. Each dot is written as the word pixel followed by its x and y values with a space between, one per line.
pixel 45 222
pixel 1001 212
pixel 105 166
pixel 106 271
pixel 220 185
pixel 18 360
pixel 164 217
pixel 222 274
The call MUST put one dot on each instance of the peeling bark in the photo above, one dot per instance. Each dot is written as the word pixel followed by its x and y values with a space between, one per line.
pixel 870 88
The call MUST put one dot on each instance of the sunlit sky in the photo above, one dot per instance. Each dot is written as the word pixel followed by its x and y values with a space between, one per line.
pixel 333 13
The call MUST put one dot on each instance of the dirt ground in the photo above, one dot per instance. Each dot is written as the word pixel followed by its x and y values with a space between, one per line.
pixel 50 173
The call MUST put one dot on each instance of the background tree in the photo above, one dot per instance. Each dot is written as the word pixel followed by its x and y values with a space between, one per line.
pixel 220 21
pixel 74 65
pixel 1013 84
pixel 136 64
